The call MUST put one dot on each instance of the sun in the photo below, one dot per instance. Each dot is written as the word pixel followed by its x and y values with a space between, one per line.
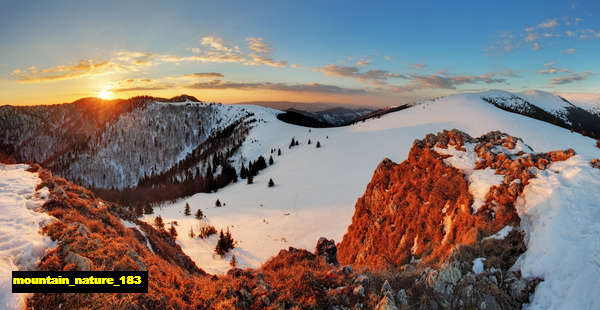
pixel 105 94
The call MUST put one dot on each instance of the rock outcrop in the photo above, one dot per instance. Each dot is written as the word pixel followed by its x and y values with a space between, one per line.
pixel 421 209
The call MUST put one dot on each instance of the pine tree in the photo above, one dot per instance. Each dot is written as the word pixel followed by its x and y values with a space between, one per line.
pixel 308 141
pixel 318 144
pixel 292 143
pixel 199 215
pixel 278 152
pixel 159 223
pixel 217 203
pixel 173 231
pixel 233 262
pixel 191 234
pixel 187 211
pixel 271 183
pixel 250 179
pixel 270 160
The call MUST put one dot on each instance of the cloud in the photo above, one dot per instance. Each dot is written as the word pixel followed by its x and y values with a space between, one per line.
pixel 531 37
pixel 419 66
pixel 388 58
pixel 204 75
pixel 551 69
pixel 551 23
pixel 378 77
pixel 258 45
pixel 445 81
pixel 310 87
pixel 570 78
pixel 568 51
pixel 83 68
pixel 256 59
pixel 362 62
pixel 141 84
pixel 219 44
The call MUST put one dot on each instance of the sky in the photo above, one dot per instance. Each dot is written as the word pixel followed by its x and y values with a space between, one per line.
pixel 378 53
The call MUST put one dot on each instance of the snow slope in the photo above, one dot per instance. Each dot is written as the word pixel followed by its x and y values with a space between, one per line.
pixel 560 214
pixel 21 244
pixel 316 189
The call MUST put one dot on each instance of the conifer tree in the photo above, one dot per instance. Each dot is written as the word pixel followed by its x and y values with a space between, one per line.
pixel 308 141
pixel 318 144
pixel 199 215
pixel 187 211
pixel 270 160
pixel 173 231
pixel 250 179
pixel 191 234
pixel 271 183
pixel 217 203
pixel 279 151
pixel 148 209
pixel 159 223
pixel 233 262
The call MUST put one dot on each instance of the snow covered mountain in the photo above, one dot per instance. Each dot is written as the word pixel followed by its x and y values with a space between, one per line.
pixel 119 145
pixel 318 178
pixel 549 108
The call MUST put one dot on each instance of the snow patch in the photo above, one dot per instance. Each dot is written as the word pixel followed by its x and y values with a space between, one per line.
pixel 21 244
pixel 501 234
pixel 480 181
pixel 559 213
pixel 478 265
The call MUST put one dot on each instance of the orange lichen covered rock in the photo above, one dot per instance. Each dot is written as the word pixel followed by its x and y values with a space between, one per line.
pixel 420 210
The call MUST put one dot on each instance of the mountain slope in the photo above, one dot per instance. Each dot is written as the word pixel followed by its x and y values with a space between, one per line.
pixel 316 188
pixel 549 108
pixel 126 149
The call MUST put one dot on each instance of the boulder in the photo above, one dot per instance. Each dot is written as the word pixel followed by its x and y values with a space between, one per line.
pixel 328 250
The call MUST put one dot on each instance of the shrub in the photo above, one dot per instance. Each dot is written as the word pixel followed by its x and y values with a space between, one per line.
pixel 233 262
pixel 206 230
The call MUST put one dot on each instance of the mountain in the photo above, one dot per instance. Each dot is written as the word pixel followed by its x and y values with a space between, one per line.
pixel 127 148
pixel 551 214
pixel 549 108
pixel 305 106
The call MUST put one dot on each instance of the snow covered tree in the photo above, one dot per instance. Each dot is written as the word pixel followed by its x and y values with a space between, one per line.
pixel 187 211
pixel 199 215
pixel 270 160
pixel 278 152
pixel 318 144
pixel 292 143
pixel 159 223
pixel 271 183
pixel 217 203
pixel 308 141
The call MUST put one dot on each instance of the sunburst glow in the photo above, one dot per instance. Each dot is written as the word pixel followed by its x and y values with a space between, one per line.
pixel 105 94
